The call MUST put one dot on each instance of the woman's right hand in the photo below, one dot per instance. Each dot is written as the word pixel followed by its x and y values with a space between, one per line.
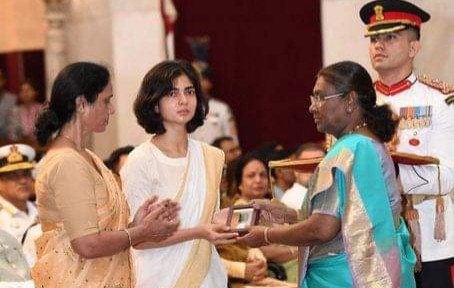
pixel 161 220
pixel 255 270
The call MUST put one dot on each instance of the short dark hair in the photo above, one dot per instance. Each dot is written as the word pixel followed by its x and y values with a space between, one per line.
pixel 78 79
pixel 218 141
pixel 349 76
pixel 114 157
pixel 414 31
pixel 156 84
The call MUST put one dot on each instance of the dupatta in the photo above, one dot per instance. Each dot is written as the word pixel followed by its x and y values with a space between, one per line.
pixel 59 266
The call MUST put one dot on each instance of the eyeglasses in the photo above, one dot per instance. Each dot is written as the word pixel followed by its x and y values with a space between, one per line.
pixel 318 100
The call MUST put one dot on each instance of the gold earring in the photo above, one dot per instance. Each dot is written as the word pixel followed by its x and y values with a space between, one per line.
pixel 349 109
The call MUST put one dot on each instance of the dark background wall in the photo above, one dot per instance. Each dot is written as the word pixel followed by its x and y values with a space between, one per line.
pixel 264 55
pixel 18 66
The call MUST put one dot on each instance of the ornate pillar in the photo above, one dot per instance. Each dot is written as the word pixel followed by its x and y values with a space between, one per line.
pixel 55 52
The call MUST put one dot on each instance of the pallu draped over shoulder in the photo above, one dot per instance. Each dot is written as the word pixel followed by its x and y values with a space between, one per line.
pixel 374 249
pixel 74 199
pixel 192 181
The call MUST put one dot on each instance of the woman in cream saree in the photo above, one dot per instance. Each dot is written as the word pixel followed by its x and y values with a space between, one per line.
pixel 171 165
pixel 83 213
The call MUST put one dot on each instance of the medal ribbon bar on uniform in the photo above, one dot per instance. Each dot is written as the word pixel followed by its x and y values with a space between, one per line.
pixel 415 117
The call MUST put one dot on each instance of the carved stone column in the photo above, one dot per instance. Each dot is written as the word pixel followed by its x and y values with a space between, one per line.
pixel 55 52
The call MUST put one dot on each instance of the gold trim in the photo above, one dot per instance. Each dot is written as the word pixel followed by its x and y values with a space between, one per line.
pixel 17 166
pixel 366 262
pixel 378 9
pixel 443 87
pixel 199 258
pixel 14 155
pixel 384 31
pixel 393 21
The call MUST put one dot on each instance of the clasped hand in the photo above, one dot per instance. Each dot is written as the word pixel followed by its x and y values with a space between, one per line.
pixel 159 220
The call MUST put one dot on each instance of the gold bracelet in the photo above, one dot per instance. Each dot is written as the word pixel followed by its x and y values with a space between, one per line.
pixel 265 236
pixel 129 236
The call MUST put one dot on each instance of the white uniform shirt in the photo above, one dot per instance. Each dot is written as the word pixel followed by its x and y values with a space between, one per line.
pixel 15 221
pixel 432 135
pixel 294 196
pixel 217 123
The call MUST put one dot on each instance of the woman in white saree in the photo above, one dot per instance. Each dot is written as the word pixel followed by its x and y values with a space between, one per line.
pixel 170 165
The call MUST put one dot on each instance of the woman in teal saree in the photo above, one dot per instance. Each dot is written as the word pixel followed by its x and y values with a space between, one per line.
pixel 350 232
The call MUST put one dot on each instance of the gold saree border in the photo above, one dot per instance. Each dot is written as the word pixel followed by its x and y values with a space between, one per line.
pixel 366 264
pixel 59 266
pixel 198 261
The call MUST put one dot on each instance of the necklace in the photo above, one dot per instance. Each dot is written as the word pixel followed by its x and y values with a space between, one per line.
pixel 71 141
pixel 357 127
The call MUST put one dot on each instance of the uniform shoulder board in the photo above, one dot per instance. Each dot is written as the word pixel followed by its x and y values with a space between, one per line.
pixel 445 88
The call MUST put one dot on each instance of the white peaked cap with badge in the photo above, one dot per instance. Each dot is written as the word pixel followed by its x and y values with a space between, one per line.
pixel 16 157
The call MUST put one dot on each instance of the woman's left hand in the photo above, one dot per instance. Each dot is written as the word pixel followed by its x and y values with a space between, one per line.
pixel 255 237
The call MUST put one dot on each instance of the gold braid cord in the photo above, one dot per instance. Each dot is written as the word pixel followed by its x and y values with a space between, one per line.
pixel 445 88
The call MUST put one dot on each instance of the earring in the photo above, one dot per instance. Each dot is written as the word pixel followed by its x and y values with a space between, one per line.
pixel 349 109
pixel 156 109
pixel 81 109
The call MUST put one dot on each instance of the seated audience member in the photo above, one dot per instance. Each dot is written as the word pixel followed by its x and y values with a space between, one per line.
pixel 231 149
pixel 17 213
pixel 294 196
pixel 117 159
pixel 9 122
pixel 247 267
pixel 267 148
pixel 28 109
pixel 283 178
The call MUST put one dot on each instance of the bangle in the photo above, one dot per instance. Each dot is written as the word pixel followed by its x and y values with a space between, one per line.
pixel 129 236
pixel 265 236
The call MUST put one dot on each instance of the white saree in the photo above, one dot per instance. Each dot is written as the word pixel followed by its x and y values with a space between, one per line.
pixel 193 181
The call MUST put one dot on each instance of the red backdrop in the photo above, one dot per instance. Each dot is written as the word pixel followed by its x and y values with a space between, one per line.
pixel 18 66
pixel 264 55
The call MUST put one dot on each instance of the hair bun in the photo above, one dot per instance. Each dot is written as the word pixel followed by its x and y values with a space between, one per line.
pixel 46 124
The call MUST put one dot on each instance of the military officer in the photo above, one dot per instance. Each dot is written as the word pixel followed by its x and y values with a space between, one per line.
pixel 426 110
pixel 17 213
